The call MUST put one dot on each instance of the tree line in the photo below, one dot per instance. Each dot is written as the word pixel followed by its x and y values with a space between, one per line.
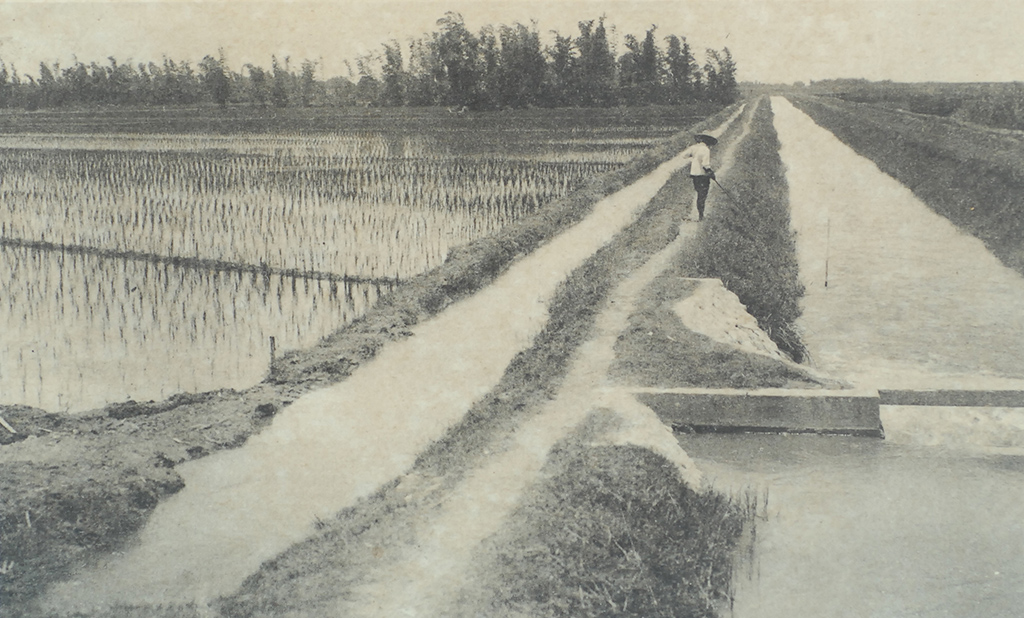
pixel 499 67
pixel 508 66
pixel 166 83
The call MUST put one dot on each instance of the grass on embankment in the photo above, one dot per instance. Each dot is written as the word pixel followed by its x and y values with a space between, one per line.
pixel 106 471
pixel 746 241
pixel 608 531
pixel 973 177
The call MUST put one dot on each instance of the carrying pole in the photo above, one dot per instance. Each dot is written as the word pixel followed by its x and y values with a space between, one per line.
pixel 726 191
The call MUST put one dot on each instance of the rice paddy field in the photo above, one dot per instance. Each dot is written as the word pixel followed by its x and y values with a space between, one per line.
pixel 158 256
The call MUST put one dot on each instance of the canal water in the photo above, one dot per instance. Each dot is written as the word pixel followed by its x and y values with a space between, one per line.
pixel 896 296
pixel 930 520
pixel 862 527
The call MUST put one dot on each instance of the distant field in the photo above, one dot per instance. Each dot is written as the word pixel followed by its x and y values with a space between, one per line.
pixel 997 105
pixel 218 121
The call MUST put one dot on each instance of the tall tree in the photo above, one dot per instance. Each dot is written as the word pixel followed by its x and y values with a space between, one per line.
pixel 395 78
pixel 259 87
pixel 522 66
pixel 682 70
pixel 5 85
pixel 649 69
pixel 559 80
pixel 727 77
pixel 595 68
pixel 720 77
pixel 427 85
pixel 459 53
pixel 281 80
pixel 307 83
pixel 491 94
pixel 120 78
pixel 215 79
pixel 48 94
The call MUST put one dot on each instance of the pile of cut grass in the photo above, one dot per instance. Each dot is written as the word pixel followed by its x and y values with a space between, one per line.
pixel 747 241
pixel 657 351
pixel 971 176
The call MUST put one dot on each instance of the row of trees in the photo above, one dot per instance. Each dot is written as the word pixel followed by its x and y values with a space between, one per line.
pixel 168 83
pixel 507 66
pixel 504 66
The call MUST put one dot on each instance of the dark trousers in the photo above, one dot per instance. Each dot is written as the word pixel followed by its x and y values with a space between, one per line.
pixel 702 184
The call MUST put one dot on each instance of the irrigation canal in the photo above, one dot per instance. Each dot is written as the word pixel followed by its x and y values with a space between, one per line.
pixel 930 520
pixel 896 296
pixel 860 527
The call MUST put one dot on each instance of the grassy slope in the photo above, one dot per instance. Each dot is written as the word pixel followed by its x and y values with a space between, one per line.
pixel 993 104
pixel 971 176
pixel 608 531
pixel 747 243
pixel 106 471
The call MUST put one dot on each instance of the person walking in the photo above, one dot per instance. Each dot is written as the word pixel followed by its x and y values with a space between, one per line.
pixel 700 168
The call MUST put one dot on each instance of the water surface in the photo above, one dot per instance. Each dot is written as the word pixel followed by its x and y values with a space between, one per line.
pixel 861 527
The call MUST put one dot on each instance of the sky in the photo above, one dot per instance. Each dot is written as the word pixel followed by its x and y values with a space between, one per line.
pixel 773 41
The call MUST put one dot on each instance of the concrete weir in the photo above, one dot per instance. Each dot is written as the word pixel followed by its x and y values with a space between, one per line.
pixel 954 398
pixel 701 410
pixel 850 412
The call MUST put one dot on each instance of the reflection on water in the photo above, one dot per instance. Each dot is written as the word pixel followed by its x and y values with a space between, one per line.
pixel 862 527
pixel 364 216
pixel 81 331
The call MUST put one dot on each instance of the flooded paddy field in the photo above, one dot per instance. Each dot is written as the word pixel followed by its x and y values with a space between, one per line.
pixel 83 330
pixel 141 258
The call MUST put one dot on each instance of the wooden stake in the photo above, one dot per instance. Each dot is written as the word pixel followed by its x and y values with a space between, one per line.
pixel 7 426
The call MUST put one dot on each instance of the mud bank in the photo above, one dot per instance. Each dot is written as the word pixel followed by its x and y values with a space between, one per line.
pixel 76 487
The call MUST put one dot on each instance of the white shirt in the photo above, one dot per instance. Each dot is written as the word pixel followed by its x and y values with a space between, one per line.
pixel 700 158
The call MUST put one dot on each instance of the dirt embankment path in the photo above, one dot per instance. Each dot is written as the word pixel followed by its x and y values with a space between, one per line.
pixel 433 568
pixel 333 446
pixel 896 296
